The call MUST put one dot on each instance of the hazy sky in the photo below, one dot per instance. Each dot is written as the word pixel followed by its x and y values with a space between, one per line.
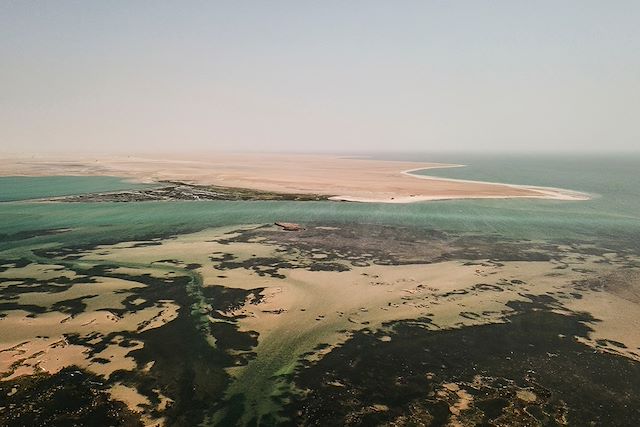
pixel 319 75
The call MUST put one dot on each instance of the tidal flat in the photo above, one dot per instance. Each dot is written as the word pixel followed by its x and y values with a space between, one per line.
pixel 204 312
pixel 335 324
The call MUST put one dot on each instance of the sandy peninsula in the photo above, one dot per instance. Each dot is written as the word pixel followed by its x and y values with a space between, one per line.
pixel 339 178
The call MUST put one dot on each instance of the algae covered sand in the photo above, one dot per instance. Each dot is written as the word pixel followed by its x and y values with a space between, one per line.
pixel 336 323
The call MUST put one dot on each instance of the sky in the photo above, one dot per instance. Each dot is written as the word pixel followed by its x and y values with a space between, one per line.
pixel 319 76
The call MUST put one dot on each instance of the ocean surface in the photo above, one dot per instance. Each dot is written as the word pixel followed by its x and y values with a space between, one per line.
pixel 13 188
pixel 613 212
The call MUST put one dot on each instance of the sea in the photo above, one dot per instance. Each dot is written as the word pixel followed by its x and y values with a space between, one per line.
pixel 196 377
pixel 613 182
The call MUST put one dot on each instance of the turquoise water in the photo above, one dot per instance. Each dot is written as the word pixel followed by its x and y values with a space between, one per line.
pixel 612 218
pixel 22 188
pixel 614 212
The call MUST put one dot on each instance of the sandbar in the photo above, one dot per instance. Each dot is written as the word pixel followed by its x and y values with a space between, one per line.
pixel 338 178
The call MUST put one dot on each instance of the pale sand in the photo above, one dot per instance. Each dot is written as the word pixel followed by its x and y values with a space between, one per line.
pixel 139 403
pixel 386 292
pixel 38 343
pixel 349 179
pixel 306 308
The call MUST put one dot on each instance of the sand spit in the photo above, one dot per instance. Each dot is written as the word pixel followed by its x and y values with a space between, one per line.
pixel 545 192
pixel 339 178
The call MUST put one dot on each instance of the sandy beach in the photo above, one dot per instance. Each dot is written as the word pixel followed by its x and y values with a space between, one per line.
pixel 340 178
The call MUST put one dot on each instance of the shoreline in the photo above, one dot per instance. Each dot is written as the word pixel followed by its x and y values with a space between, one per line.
pixel 554 193
pixel 324 177
pixel 547 193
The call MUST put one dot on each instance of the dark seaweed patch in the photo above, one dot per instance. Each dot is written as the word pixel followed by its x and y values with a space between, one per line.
pixel 72 306
pixel 31 308
pixel 147 243
pixel 191 373
pixel 6 264
pixel 228 299
pixel 29 234
pixel 362 245
pixel 28 285
pixel 186 368
pixel 175 190
pixel 71 397
pixel 534 351
pixel 260 265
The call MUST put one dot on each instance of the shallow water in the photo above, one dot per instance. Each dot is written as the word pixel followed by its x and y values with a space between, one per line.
pixel 23 188
pixel 613 182
pixel 500 231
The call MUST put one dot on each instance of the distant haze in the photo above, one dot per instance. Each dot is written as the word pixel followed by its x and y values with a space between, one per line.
pixel 319 75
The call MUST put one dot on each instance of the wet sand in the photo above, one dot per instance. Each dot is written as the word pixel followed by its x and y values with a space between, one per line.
pixel 340 178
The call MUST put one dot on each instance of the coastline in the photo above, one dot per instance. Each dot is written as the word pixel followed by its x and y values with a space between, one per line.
pixel 322 176
pixel 554 193
pixel 549 193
